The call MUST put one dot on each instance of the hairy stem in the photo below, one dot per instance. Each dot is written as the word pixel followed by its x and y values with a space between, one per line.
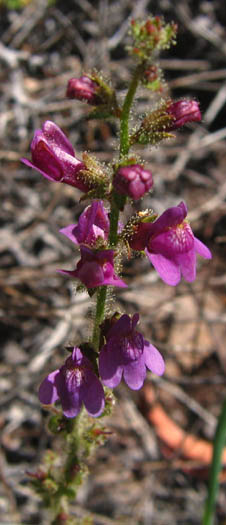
pixel 116 201
pixel 124 128
pixel 99 317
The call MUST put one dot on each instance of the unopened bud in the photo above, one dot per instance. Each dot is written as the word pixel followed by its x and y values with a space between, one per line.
pixel 83 88
pixel 182 112
pixel 133 180
pixel 160 123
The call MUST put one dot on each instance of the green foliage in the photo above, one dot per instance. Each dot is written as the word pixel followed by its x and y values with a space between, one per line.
pixel 20 4
pixel 14 4
pixel 219 444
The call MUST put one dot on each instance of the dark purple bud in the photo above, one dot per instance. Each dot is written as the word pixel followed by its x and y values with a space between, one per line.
pixel 183 111
pixel 83 88
pixel 133 181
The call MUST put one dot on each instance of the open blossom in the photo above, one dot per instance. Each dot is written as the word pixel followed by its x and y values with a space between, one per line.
pixel 133 180
pixel 83 88
pixel 96 268
pixel 53 156
pixel 183 112
pixel 126 353
pixel 73 384
pixel 93 223
pixel 172 246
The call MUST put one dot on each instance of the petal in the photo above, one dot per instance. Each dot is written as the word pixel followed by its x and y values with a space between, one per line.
pixel 71 273
pixel 153 359
pixel 56 137
pixel 135 373
pixel 93 395
pixel 114 281
pixel 187 262
pixel 135 320
pixel 47 391
pixel 93 223
pixel 53 178
pixel 120 328
pixel 71 401
pixel 178 239
pixel 202 249
pixel 110 371
pixel 91 274
pixel 168 269
pixel 171 217
pixel 110 278
pixel 69 232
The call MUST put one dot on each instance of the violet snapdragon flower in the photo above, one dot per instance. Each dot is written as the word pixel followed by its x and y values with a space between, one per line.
pixel 171 245
pixel 126 353
pixel 53 156
pixel 96 268
pixel 133 180
pixel 73 384
pixel 93 224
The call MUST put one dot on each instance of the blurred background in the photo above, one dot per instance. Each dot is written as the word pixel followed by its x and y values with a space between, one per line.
pixel 154 467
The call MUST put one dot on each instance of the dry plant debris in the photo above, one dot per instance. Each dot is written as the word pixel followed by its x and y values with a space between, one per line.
pixel 136 478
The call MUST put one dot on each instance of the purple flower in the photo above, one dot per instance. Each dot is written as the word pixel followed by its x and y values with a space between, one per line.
pixel 183 111
pixel 53 156
pixel 96 268
pixel 93 224
pixel 171 246
pixel 74 383
pixel 133 180
pixel 126 353
pixel 83 88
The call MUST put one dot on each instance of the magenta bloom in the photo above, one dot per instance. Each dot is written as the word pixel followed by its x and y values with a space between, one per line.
pixel 96 268
pixel 53 156
pixel 127 354
pixel 83 88
pixel 171 246
pixel 133 181
pixel 184 111
pixel 74 383
pixel 93 224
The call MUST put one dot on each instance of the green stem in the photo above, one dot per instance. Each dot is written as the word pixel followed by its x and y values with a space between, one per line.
pixel 124 129
pixel 116 201
pixel 114 217
pixel 101 298
pixel 219 443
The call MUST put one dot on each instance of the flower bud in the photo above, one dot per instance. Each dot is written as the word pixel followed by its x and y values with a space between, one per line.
pixel 159 124
pixel 183 111
pixel 133 180
pixel 83 88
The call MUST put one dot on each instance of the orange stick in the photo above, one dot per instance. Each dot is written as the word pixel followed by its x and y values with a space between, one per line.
pixel 174 437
